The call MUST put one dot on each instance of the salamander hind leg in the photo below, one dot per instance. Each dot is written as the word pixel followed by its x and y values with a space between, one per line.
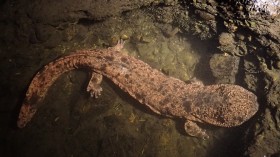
pixel 94 87
pixel 194 130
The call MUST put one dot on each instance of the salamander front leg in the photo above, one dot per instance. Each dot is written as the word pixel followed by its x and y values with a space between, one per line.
pixel 94 87
pixel 194 130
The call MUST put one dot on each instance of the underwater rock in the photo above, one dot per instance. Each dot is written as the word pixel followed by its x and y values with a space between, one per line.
pixel 226 39
pixel 267 134
pixel 43 32
pixel 231 26
pixel 227 43
pixel 198 20
pixel 230 46
pixel 272 86
pixel 224 68
pixel 169 31
pixel 204 15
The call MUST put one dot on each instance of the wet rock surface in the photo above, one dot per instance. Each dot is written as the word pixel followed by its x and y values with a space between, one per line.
pixel 224 68
pixel 170 36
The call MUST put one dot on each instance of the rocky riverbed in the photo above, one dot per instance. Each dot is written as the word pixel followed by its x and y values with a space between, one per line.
pixel 234 42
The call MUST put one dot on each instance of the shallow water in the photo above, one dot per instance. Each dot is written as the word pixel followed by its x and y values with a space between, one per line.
pixel 70 123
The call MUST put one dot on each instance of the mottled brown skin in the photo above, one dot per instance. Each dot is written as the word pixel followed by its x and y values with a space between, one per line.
pixel 221 105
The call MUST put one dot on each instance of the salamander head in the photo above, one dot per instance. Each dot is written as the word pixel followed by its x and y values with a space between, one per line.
pixel 225 105
pixel 25 115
